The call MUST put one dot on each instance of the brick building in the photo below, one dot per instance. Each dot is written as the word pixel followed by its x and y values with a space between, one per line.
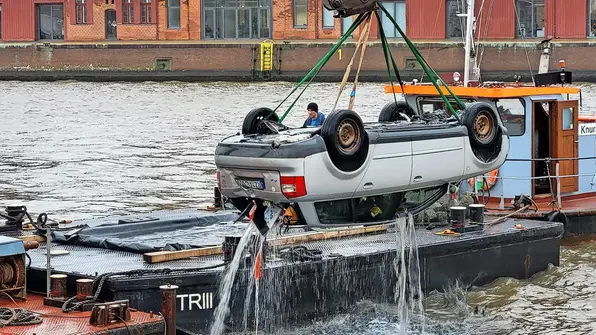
pixel 146 20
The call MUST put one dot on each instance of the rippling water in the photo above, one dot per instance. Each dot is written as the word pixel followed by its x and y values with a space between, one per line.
pixel 78 150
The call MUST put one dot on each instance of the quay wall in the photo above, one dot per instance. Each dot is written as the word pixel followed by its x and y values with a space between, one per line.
pixel 236 61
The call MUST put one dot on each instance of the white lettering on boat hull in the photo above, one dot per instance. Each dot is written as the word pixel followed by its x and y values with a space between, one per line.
pixel 195 300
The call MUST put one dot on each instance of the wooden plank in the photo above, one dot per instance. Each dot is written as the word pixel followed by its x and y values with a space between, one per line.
pixel 37 238
pixel 325 235
pixel 165 256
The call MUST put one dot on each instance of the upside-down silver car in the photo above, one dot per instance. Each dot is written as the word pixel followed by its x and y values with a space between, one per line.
pixel 347 173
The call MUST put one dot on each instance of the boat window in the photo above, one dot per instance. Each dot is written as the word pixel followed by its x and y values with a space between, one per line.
pixel 431 104
pixel 513 115
pixel 334 212
pixel 567 118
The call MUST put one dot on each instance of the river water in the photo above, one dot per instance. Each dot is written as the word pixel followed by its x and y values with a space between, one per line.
pixel 77 150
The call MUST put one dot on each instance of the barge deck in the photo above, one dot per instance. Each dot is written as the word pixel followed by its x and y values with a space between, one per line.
pixel 325 276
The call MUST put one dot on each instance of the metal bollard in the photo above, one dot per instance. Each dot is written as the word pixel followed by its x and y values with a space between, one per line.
pixel 458 218
pixel 168 307
pixel 58 286
pixel 84 288
pixel 476 213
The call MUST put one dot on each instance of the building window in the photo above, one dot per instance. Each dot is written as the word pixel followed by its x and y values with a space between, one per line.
pixel 397 9
pixel 328 20
pixel 513 115
pixel 300 14
pixel 530 18
pixel 81 11
pixel 50 22
pixel 232 19
pixel 592 19
pixel 173 14
pixel 456 25
pixel 146 11
pixel 128 11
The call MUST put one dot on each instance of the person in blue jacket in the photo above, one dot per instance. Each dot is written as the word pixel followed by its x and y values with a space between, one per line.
pixel 315 118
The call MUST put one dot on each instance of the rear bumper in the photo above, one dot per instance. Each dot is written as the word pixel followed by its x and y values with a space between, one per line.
pixel 230 187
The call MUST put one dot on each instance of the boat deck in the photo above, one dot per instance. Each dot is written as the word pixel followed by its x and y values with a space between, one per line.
pixel 54 321
pixel 583 205
pixel 197 233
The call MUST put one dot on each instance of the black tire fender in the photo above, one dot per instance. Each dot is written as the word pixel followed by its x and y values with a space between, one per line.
pixel 481 119
pixel 558 216
pixel 391 111
pixel 253 119
pixel 346 139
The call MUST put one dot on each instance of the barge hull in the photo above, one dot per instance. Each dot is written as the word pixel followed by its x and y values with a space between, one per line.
pixel 351 270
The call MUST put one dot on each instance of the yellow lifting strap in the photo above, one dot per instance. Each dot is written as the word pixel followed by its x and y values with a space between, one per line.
pixel 362 40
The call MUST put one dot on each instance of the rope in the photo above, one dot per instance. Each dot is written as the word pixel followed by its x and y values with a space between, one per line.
pixel 426 67
pixel 396 71
pixel 385 51
pixel 348 69
pixel 18 317
pixel 355 85
pixel 317 68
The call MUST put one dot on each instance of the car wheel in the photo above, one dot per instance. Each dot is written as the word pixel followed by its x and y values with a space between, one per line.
pixel 392 111
pixel 481 120
pixel 253 121
pixel 346 139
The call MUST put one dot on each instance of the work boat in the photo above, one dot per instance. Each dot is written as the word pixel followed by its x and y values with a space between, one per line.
pixel 550 172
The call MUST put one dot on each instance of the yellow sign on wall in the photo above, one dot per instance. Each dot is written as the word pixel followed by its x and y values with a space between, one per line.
pixel 266 55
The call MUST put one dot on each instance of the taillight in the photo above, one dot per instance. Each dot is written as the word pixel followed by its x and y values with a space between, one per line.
pixel 217 175
pixel 293 187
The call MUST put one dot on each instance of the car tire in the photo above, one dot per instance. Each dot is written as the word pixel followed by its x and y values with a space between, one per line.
pixel 391 111
pixel 481 119
pixel 252 121
pixel 345 139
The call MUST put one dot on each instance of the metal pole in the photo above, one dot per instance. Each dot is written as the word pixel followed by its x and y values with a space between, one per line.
pixel 558 186
pixel 48 260
pixel 168 307
pixel 469 37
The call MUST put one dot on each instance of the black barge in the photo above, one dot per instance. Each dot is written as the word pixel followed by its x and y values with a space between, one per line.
pixel 329 275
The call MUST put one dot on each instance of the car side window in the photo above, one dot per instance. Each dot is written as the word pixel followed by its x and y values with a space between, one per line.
pixel 334 212
pixel 359 210
pixel 416 198
pixel 376 208
pixel 513 115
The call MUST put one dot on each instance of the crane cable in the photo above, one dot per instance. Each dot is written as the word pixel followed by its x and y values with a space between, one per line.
pixel 349 67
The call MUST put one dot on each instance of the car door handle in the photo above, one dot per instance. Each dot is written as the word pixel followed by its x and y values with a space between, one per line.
pixel 417 179
pixel 368 186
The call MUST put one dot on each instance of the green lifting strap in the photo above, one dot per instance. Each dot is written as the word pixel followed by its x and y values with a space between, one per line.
pixel 317 68
pixel 426 67
pixel 387 50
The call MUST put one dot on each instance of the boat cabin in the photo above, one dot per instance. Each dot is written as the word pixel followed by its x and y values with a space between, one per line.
pixel 542 122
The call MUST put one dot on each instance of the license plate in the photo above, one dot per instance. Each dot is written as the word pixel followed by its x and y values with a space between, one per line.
pixel 255 184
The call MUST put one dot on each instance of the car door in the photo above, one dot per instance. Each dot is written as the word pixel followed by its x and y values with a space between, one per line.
pixel 437 156
pixel 390 165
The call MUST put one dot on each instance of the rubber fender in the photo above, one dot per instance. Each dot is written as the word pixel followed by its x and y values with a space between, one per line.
pixel 558 216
